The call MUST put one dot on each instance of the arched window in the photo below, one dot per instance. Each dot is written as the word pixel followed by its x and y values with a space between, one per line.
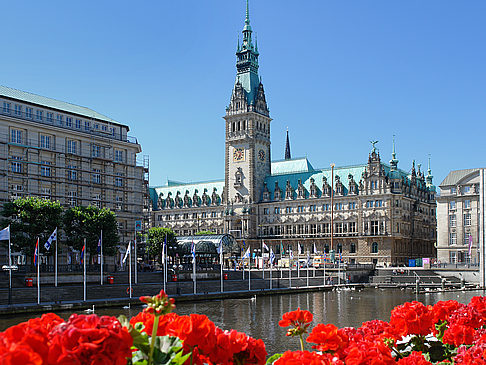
pixel 374 247
pixel 352 249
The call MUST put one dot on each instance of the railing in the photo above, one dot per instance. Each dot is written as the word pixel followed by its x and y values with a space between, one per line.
pixel 32 117
pixel 71 268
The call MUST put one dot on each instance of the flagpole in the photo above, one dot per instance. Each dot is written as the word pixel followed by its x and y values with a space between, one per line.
pixel 10 268
pixel 163 264
pixel 38 271
pixel 308 261
pixel 263 265
pixel 101 257
pixel 84 271
pixel 194 270
pixel 221 265
pixel 130 269
pixel 249 272
pixel 165 260
pixel 271 266
pixel 55 264
pixel 135 256
pixel 290 271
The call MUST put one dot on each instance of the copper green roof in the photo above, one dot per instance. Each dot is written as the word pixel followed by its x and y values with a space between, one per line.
pixel 300 164
pixel 53 103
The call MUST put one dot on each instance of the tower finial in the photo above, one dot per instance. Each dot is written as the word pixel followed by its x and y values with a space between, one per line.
pixel 394 161
pixel 247 19
pixel 287 146
pixel 429 176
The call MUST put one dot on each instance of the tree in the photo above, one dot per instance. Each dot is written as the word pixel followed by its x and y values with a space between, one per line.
pixel 30 218
pixel 156 237
pixel 204 233
pixel 88 222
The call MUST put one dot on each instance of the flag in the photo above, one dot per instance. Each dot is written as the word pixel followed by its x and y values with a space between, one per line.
pixel 470 245
pixel 300 248
pixel 265 247
pixel 220 247
pixel 163 249
pixel 291 254
pixel 340 256
pixel 127 252
pixel 308 260
pixel 98 248
pixel 282 248
pixel 247 254
pixel 272 256
pixel 36 252
pixel 315 248
pixel 193 250
pixel 53 237
pixel 5 233
pixel 82 253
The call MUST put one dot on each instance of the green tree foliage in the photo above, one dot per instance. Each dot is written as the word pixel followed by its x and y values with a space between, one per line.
pixel 156 237
pixel 87 222
pixel 30 218
pixel 204 233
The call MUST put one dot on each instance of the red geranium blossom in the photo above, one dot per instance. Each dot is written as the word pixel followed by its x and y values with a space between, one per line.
pixel 458 334
pixel 328 337
pixel 369 353
pixel 298 319
pixel 89 339
pixel 475 355
pixel 443 309
pixel 412 319
pixel 415 358
pixel 305 357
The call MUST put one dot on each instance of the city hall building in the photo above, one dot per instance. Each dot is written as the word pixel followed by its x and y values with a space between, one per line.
pixel 371 212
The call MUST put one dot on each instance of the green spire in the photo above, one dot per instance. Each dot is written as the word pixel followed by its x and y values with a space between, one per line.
pixel 429 176
pixel 238 47
pixel 247 19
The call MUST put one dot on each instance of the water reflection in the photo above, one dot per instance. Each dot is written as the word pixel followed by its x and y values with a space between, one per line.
pixel 259 318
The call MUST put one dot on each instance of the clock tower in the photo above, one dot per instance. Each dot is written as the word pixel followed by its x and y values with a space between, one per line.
pixel 247 160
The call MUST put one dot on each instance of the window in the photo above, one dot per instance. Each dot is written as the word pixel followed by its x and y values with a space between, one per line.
pixel 378 203
pixel 69 121
pixel 338 227
pixel 352 248
pixel 16 165
pixel 300 209
pixel 453 190
pixel 467 219
pixel 325 207
pixel 374 247
pixel 369 204
pixel 104 128
pixel 59 119
pixel 16 136
pixel 213 214
pixel 77 123
pixel 50 117
pixel 452 205
pixel 45 169
pixel 466 189
pixel 467 204
pixel 374 227
pixel 339 247
pixel 352 227
pixel 72 173
pixel 18 109
pixel 276 210
pixel 97 200
pixel 119 202
pixel 96 176
pixel 119 155
pixel 95 150
pixel 29 113
pixel 71 146
pixel 452 220
pixel 46 193
pixel 86 125
pixel 159 217
pixel 352 206
pixel 452 238
pixel 312 208
pixel 38 115
pixel 118 182
pixel 45 141
pixel 338 206
pixel 265 211
pixel 467 237
pixel 97 126
pixel 6 107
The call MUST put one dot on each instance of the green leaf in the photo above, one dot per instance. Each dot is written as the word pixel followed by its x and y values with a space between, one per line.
pixel 273 358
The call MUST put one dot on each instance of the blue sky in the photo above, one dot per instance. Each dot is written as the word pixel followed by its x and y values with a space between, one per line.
pixel 336 73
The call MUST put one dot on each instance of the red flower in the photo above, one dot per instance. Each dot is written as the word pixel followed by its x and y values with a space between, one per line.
pixel 148 321
pixel 158 304
pixel 89 339
pixel 474 355
pixel 365 352
pixel 412 319
pixel 443 309
pixel 458 334
pixel 296 318
pixel 415 358
pixel 479 304
pixel 305 357
pixel 328 337
pixel 255 353
pixel 376 329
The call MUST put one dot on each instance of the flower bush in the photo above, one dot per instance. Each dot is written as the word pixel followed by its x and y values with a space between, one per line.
pixel 448 332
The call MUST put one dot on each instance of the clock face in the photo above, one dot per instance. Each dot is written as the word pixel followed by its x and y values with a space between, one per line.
pixel 239 154
pixel 261 155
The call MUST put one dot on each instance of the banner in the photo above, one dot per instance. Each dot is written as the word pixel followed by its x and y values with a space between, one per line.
pixel 5 234
pixel 127 252
pixel 53 237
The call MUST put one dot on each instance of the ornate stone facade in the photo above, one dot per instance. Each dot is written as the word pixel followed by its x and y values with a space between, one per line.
pixel 381 214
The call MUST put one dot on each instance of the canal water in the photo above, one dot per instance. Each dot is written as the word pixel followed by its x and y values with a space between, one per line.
pixel 259 317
